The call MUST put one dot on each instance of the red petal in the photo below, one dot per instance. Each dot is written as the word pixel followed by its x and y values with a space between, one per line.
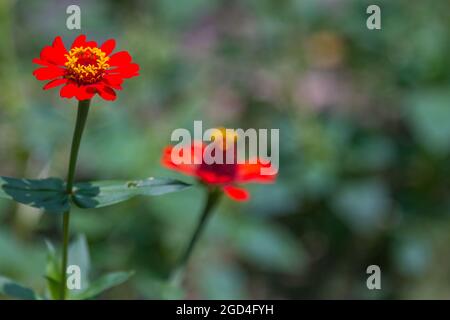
pixel 79 41
pixel 85 92
pixel 91 44
pixel 186 168
pixel 54 83
pixel 47 73
pixel 119 58
pixel 53 55
pixel 212 177
pixel 58 45
pixel 127 71
pixel 108 46
pixel 42 62
pixel 114 81
pixel 235 193
pixel 106 92
pixel 69 90
pixel 249 172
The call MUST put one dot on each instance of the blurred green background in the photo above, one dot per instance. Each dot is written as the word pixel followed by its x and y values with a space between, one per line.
pixel 364 119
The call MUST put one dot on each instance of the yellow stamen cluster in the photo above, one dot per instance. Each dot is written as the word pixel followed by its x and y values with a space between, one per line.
pixel 86 64
pixel 228 136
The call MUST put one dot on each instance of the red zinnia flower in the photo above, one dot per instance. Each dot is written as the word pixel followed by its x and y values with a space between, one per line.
pixel 224 176
pixel 85 69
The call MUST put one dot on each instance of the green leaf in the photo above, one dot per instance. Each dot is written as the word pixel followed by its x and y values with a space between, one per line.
pixel 104 283
pixel 15 290
pixel 79 256
pixel 47 194
pixel 52 272
pixel 50 194
pixel 104 193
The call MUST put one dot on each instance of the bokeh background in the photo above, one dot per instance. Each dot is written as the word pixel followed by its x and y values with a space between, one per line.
pixel 364 119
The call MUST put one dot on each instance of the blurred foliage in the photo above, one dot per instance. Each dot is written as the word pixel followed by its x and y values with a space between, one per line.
pixel 364 119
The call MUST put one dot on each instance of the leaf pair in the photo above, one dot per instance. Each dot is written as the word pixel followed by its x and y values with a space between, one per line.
pixel 50 194
pixel 78 256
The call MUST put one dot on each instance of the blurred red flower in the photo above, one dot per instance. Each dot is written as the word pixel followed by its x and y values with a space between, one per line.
pixel 224 176
pixel 86 69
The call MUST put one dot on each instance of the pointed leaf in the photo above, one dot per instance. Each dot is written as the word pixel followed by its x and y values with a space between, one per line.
pixel 47 194
pixel 104 283
pixel 52 272
pixel 79 256
pixel 104 193
pixel 14 290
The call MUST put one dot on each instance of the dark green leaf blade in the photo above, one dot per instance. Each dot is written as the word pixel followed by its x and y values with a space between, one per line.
pixel 104 193
pixel 14 290
pixel 104 283
pixel 47 194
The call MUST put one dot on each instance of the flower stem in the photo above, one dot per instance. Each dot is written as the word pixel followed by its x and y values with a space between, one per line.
pixel 83 110
pixel 212 199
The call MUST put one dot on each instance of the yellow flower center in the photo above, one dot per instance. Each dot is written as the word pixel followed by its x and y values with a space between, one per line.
pixel 86 65
pixel 229 137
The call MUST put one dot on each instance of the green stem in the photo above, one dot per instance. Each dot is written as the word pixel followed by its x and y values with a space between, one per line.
pixel 83 110
pixel 211 201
